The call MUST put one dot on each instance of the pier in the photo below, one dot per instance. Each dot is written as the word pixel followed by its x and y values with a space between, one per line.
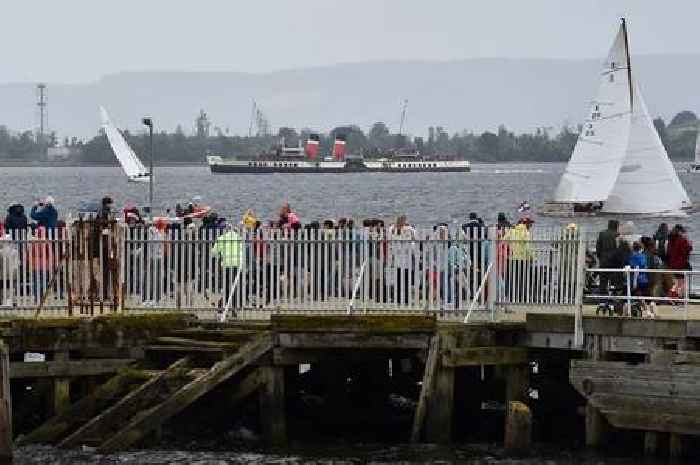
pixel 511 351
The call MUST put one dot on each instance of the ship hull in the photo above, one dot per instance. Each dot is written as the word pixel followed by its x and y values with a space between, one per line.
pixel 241 167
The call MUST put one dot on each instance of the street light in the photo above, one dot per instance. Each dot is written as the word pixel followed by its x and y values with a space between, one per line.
pixel 148 121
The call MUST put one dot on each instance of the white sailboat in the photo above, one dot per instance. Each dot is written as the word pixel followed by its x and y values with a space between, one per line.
pixel 130 163
pixel 695 166
pixel 619 165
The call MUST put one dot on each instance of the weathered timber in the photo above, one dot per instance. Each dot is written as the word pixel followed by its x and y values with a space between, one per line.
pixel 272 406
pixel 6 448
pixel 247 386
pixel 114 331
pixel 518 429
pixel 353 341
pixel 217 335
pixel 61 388
pixel 675 446
pixel 438 425
pixel 651 443
pixel 87 408
pixel 146 422
pixel 668 357
pixel 366 324
pixel 185 342
pixel 67 369
pixel 426 392
pixel 474 356
pixel 517 382
pixel 101 427
pixel 289 356
pixel 596 427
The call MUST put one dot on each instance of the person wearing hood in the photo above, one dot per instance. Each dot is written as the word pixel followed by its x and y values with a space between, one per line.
pixel 16 219
pixel 520 259
pixel 44 213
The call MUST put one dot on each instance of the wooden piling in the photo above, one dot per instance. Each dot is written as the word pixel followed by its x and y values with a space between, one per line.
pixel 518 433
pixel 426 393
pixel 61 388
pixel 5 406
pixel 438 427
pixel 272 406
pixel 651 443
pixel 675 446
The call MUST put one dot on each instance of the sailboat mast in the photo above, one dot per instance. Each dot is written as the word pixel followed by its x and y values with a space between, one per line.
pixel 629 63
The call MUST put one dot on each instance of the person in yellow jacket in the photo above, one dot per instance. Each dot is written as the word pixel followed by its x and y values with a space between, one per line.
pixel 520 261
pixel 230 249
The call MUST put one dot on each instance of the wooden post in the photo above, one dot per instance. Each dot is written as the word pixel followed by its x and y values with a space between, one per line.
pixel 651 443
pixel 596 425
pixel 518 434
pixel 5 406
pixel 675 446
pixel 61 388
pixel 517 382
pixel 272 406
pixel 426 393
pixel 438 425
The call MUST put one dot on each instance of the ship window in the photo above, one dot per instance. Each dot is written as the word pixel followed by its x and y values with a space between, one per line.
pixel 612 78
pixel 612 65
pixel 597 108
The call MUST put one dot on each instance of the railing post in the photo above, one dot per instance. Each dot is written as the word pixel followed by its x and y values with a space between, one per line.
pixel 629 289
pixel 580 285
pixel 492 289
pixel 686 293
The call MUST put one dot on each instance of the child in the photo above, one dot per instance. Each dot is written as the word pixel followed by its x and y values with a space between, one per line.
pixel 640 280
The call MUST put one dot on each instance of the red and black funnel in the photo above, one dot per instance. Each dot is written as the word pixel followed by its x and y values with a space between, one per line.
pixel 339 148
pixel 311 148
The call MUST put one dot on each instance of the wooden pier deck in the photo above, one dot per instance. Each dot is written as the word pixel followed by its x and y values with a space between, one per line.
pixel 116 382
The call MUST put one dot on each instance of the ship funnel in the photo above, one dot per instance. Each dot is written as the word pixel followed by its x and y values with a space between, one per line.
pixel 311 148
pixel 339 148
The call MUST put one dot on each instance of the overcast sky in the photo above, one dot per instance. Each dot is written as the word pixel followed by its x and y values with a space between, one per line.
pixel 81 40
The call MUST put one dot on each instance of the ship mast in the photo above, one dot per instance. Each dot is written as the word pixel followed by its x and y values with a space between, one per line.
pixel 629 65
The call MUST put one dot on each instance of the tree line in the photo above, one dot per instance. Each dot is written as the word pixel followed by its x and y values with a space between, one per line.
pixel 502 145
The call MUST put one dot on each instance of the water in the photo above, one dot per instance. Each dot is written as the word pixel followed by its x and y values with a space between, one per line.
pixel 427 198
pixel 355 454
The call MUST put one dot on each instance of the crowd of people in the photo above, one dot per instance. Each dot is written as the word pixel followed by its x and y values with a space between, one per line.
pixel 669 249
pixel 397 253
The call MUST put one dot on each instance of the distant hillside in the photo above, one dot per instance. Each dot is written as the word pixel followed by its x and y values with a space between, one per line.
pixel 474 95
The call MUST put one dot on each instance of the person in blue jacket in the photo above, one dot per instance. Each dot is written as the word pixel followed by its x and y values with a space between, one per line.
pixel 638 261
pixel 44 213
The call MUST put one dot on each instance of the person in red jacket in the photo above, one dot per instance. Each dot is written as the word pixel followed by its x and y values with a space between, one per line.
pixel 678 255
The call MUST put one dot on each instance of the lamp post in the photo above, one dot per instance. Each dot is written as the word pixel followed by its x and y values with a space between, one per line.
pixel 147 121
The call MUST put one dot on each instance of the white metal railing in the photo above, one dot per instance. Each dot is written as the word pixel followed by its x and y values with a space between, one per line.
pixel 628 294
pixel 89 268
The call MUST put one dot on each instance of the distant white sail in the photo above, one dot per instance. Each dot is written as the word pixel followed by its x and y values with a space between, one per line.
pixel 600 149
pixel 697 147
pixel 130 163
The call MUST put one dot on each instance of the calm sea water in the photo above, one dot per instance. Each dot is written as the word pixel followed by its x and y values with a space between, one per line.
pixel 427 198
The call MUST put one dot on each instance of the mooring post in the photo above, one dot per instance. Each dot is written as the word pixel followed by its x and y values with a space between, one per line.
pixel 438 425
pixel 61 387
pixel 272 406
pixel 5 406
pixel 518 422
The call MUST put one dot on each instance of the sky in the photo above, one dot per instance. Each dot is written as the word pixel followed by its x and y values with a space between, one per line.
pixel 72 41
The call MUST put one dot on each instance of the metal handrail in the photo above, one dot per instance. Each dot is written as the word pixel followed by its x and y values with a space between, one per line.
pixel 478 292
pixel 356 287
pixel 229 301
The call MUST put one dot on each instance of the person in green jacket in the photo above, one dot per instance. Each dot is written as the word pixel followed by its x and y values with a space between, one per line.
pixel 229 248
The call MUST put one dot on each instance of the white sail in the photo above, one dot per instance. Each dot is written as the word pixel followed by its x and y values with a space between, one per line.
pixel 647 182
pixel 600 149
pixel 697 148
pixel 130 163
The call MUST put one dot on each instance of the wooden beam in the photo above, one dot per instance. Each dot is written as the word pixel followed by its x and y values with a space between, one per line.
pixel 86 408
pixel 440 412
pixel 145 422
pixel 426 392
pixel 366 324
pixel 61 387
pixel 67 369
pixel 185 342
pixel 251 383
pixel 353 341
pixel 103 425
pixel 287 356
pixel 475 356
pixel 6 447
